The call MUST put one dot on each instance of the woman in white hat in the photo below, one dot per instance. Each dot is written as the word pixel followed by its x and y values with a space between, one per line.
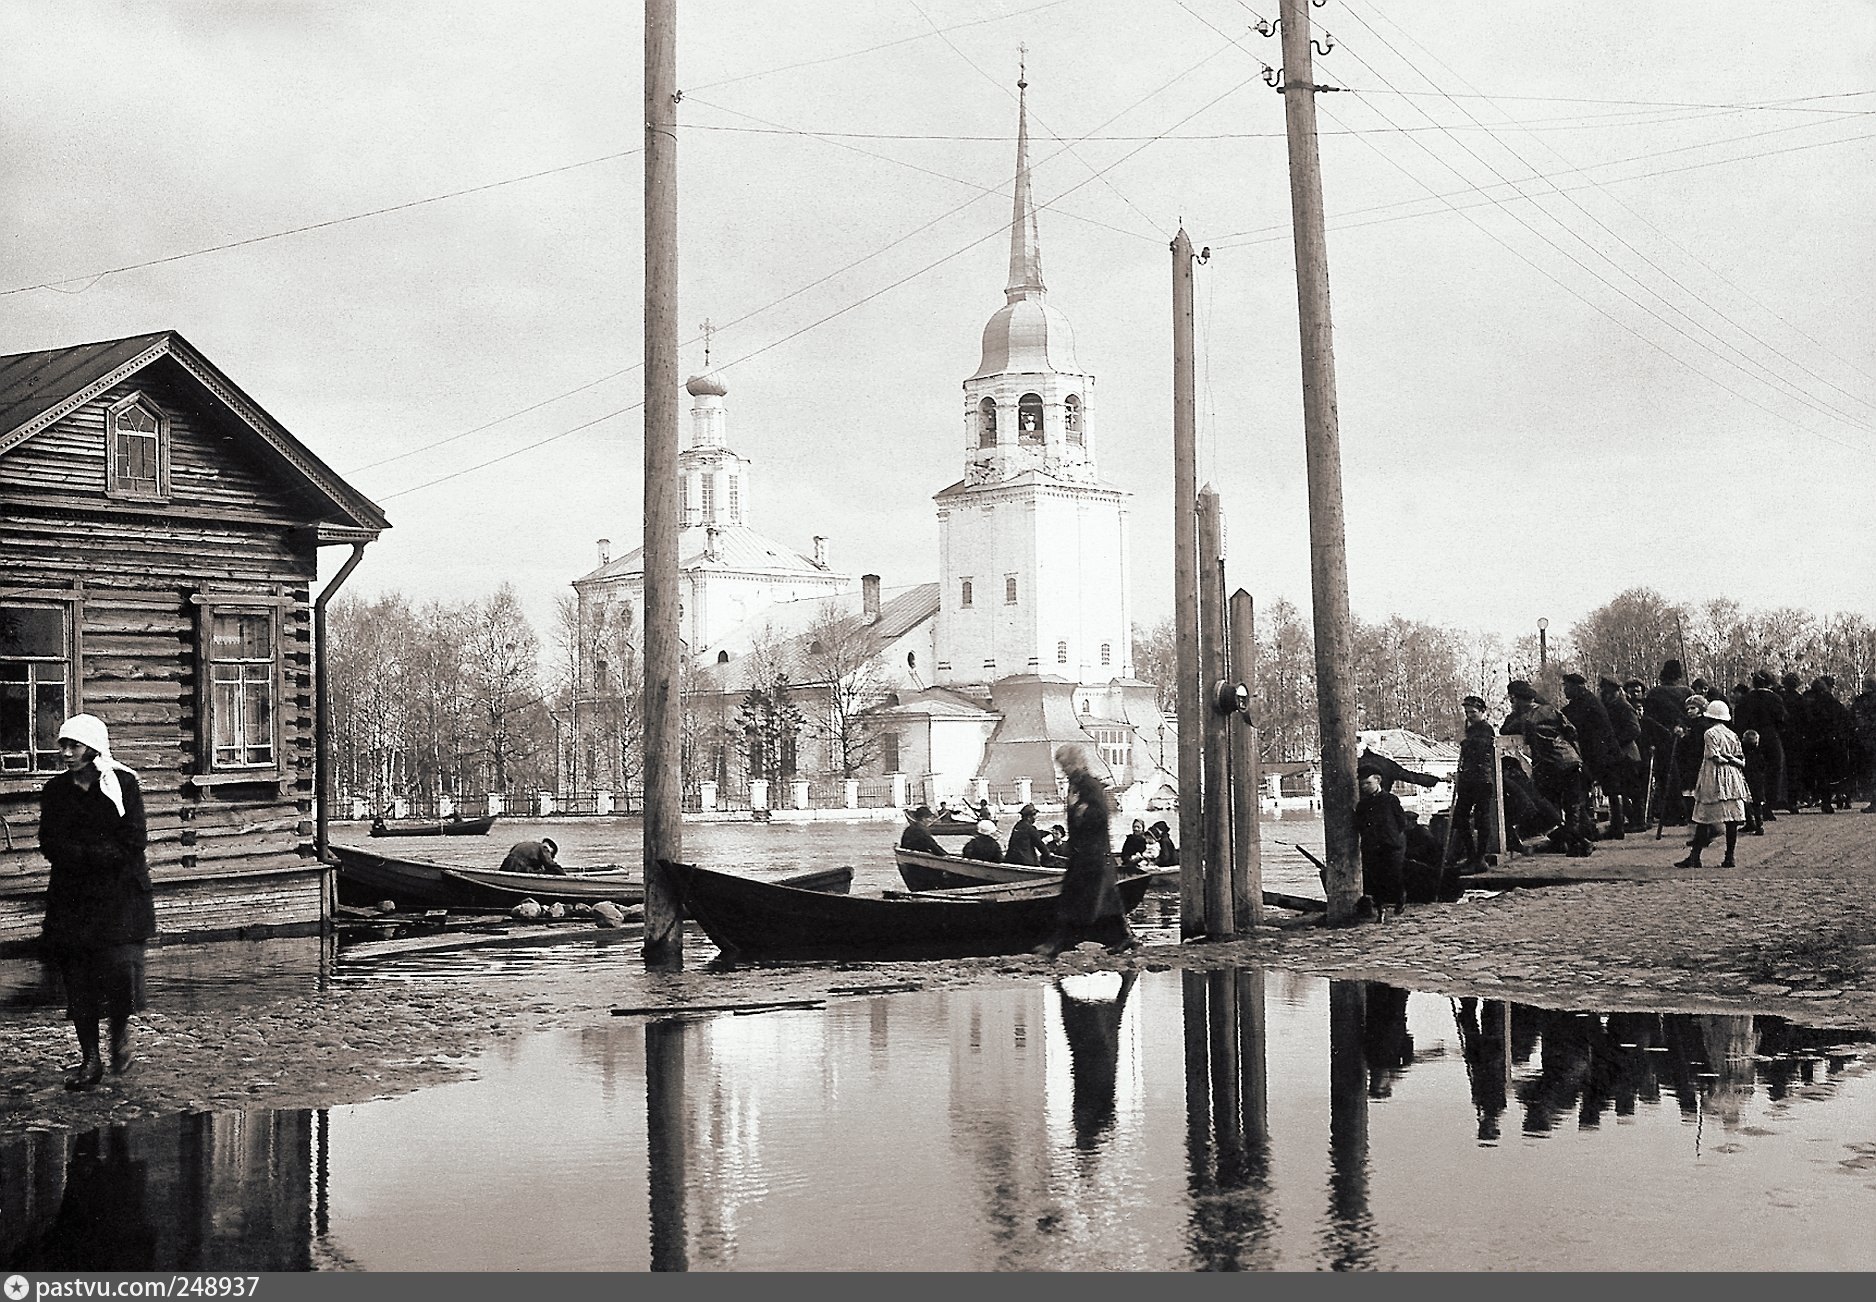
pixel 98 906
pixel 1720 790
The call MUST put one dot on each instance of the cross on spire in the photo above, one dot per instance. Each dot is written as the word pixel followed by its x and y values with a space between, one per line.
pixel 708 331
pixel 1022 66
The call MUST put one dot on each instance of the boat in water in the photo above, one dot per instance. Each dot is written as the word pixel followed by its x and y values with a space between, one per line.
pixel 923 871
pixel 747 918
pixel 437 827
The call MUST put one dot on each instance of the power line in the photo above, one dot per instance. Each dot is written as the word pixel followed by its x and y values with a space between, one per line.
pixel 94 277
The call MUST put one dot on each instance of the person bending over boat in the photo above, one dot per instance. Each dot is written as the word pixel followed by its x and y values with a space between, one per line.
pixel 917 834
pixel 1090 907
pixel 983 847
pixel 534 857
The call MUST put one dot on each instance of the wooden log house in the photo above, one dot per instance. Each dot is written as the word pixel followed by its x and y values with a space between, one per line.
pixel 159 536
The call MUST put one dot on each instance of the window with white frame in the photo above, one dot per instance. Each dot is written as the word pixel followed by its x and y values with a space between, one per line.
pixel 243 649
pixel 35 685
pixel 136 443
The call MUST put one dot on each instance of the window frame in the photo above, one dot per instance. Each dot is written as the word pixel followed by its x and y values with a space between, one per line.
pixel 211 770
pixel 1072 416
pixel 987 423
pixel 112 487
pixel 67 605
pixel 964 592
pixel 1031 404
pixel 1009 590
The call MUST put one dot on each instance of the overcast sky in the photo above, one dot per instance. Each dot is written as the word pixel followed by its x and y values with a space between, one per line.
pixel 1664 374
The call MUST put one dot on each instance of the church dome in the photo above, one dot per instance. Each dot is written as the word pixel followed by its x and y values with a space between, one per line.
pixel 1028 336
pixel 709 384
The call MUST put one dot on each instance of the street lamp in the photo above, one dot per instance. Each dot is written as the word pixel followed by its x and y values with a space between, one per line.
pixel 1543 645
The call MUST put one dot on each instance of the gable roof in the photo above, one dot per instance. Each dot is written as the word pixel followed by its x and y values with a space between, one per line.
pixel 900 611
pixel 41 388
pixel 740 549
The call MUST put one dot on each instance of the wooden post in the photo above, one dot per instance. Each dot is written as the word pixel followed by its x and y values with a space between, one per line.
pixel 1247 849
pixel 664 778
pixel 1186 602
pixel 1219 920
pixel 1328 545
pixel 1501 748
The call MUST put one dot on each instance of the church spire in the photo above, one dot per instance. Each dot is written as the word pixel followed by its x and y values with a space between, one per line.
pixel 1025 243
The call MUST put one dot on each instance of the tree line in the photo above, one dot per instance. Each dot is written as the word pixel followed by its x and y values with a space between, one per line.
pixel 1411 674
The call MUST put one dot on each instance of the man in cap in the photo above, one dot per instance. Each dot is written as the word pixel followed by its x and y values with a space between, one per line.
pixel 1663 711
pixel 1472 787
pixel 1595 739
pixel 1026 840
pixel 917 834
pixel 533 857
pixel 1556 764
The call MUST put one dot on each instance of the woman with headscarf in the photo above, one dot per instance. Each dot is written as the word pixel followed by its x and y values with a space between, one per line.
pixel 1720 792
pixel 98 907
pixel 1090 907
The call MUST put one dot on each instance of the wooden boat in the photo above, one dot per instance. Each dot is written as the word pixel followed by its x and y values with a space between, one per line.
pixel 441 827
pixel 923 871
pixel 366 876
pixel 750 918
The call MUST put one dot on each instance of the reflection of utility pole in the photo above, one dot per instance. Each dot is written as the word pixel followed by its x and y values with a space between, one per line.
pixel 1328 543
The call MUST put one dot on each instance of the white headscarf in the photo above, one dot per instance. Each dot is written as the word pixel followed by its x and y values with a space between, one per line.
pixel 89 730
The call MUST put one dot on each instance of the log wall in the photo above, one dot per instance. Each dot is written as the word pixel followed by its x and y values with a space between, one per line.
pixel 229 853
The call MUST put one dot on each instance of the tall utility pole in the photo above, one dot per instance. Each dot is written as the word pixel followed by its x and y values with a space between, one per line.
pixel 1328 544
pixel 1186 601
pixel 664 779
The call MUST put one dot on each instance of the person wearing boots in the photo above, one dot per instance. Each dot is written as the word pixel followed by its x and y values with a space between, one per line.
pixel 1472 787
pixel 1556 764
pixel 1625 778
pixel 1720 792
pixel 99 911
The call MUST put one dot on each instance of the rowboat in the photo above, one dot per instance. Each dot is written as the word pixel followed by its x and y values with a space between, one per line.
pixel 508 888
pixel 366 876
pixel 441 827
pixel 923 871
pixel 750 918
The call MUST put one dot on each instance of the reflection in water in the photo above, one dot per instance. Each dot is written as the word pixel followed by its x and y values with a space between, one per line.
pixel 1024 1127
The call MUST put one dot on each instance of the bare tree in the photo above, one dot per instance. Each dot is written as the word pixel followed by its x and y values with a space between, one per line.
pixel 1156 661
pixel 841 657
pixel 502 664
pixel 1286 683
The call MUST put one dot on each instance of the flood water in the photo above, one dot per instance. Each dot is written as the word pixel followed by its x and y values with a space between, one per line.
pixel 1173 1121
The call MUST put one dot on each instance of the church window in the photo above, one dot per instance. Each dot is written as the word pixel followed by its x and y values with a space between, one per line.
pixel 911 660
pixel 723 657
pixel 1009 589
pixel 683 501
pixel 1061 653
pixel 137 443
pixel 987 424
pixel 1071 420
pixel 709 498
pixel 736 498
pixel 1107 653
pixel 964 592
pixel 889 752
pixel 1029 420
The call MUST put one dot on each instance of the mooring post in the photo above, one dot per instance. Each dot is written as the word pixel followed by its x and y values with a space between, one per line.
pixel 1247 849
pixel 1186 603
pixel 1215 717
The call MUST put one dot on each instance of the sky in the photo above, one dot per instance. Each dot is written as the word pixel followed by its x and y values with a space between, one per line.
pixel 1601 273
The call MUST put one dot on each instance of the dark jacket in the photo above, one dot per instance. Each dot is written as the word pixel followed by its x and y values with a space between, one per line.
pixel 98 892
pixel 1595 735
pixel 1134 848
pixel 1662 712
pixel 1025 844
pixel 531 857
pixel 1761 710
pixel 1475 753
pixel 1089 891
pixel 984 849
pixel 917 837
pixel 1624 727
pixel 1381 821
pixel 1549 734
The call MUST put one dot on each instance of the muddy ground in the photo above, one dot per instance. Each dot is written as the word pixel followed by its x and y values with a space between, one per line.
pixel 1792 931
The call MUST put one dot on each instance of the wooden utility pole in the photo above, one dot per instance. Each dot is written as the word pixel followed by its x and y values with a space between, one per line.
pixel 1247 850
pixel 1186 601
pixel 664 778
pixel 1328 544
pixel 1219 919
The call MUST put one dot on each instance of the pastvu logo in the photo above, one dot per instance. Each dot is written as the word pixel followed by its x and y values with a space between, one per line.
pixel 16 1287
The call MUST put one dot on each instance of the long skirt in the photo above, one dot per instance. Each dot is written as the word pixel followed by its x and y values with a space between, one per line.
pixel 102 981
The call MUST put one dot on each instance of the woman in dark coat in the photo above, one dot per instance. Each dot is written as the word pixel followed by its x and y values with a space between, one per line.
pixel 98 906
pixel 1090 907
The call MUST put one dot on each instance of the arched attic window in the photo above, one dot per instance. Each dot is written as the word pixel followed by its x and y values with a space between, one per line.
pixel 723 657
pixel 987 423
pixel 137 450
pixel 1071 421
pixel 1029 420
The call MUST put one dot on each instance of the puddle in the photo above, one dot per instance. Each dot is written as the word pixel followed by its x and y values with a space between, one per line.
pixel 1174 1121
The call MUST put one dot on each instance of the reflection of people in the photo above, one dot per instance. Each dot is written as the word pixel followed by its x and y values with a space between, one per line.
pixel 103 1221
pixel 983 846
pixel 1482 1041
pixel 98 907
pixel 917 834
pixel 1093 1005
pixel 533 857
pixel 1090 907
pixel 1386 1044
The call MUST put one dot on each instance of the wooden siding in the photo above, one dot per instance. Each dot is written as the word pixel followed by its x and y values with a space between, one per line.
pixel 225 857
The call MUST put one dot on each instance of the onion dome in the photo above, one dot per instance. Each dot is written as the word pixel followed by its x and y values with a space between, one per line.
pixel 709 385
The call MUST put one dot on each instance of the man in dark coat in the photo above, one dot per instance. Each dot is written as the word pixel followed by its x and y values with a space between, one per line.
pixel 1762 710
pixel 1595 740
pixel 1797 743
pixel 1556 763
pixel 1626 779
pixel 917 834
pixel 1090 906
pixel 1472 788
pixel 1662 712
pixel 1863 715
pixel 1830 740
pixel 1026 840
pixel 533 857
pixel 1382 825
